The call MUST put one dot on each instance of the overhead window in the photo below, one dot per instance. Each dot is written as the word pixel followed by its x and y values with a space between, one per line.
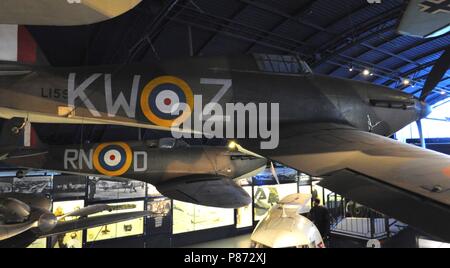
pixel 436 125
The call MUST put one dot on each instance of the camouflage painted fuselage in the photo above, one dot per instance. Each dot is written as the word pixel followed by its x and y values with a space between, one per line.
pixel 144 96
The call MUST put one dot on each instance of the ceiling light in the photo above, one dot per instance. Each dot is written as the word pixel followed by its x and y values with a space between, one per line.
pixel 406 82
pixel 366 72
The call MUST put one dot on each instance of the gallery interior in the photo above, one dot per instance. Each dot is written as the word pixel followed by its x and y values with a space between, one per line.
pixel 361 88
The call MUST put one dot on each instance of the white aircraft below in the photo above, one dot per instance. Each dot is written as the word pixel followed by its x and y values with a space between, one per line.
pixel 285 227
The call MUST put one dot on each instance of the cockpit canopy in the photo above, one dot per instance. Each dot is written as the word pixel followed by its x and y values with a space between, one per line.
pixel 288 64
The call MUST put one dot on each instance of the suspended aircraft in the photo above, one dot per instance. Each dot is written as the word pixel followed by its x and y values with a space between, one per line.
pixel 327 127
pixel 197 174
pixel 426 18
pixel 62 13
pixel 27 217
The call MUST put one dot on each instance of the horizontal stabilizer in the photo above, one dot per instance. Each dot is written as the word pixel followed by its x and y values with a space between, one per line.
pixel 8 68
pixel 206 190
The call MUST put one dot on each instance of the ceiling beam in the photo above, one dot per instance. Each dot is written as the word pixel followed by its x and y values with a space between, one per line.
pixel 214 35
pixel 280 13
pixel 227 24
pixel 237 36
pixel 141 46
pixel 298 12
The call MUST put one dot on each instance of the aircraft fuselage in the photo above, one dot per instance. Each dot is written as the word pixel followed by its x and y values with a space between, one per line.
pixel 152 97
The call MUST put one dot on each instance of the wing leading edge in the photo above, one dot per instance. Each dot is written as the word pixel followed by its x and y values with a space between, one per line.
pixel 406 182
pixel 62 13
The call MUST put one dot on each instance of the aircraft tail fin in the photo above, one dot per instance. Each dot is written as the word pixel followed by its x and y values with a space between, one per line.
pixel 18 133
pixel 18 45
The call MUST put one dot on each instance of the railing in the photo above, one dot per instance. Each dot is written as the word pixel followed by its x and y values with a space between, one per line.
pixel 353 220
pixel 364 228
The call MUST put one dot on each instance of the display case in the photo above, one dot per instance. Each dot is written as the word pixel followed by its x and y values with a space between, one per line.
pixel 120 229
pixel 189 217
pixel 244 215
pixel 72 239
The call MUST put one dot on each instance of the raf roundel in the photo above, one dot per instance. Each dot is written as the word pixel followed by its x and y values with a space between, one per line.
pixel 112 159
pixel 167 101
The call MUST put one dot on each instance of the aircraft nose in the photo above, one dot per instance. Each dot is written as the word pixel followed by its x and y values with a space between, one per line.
pixel 423 109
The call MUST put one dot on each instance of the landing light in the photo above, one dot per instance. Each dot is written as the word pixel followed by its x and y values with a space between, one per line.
pixel 232 145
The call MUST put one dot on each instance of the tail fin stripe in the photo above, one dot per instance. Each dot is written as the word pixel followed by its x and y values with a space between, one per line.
pixel 26 46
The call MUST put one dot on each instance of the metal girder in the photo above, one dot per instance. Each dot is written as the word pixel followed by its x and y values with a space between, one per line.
pixel 388 76
pixel 296 13
pixel 275 11
pixel 365 27
pixel 224 24
pixel 205 44
pixel 359 8
pixel 410 61
pixel 413 61
pixel 422 66
pixel 352 58
pixel 420 89
pixel 149 34
pixel 394 55
pixel 418 43
pixel 237 36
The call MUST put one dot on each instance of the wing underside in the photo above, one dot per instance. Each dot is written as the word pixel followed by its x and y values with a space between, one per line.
pixel 62 13
pixel 406 182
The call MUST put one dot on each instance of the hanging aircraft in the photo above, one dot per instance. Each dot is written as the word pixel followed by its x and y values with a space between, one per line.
pixel 323 126
pixel 196 174
pixel 62 13
pixel 426 18
pixel 27 217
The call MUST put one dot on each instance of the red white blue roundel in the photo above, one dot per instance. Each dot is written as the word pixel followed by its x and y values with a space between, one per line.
pixel 167 101
pixel 112 159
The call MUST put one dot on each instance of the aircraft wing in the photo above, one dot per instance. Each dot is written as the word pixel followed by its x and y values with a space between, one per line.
pixel 62 13
pixel 208 190
pixel 91 222
pixel 406 182
pixel 426 18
